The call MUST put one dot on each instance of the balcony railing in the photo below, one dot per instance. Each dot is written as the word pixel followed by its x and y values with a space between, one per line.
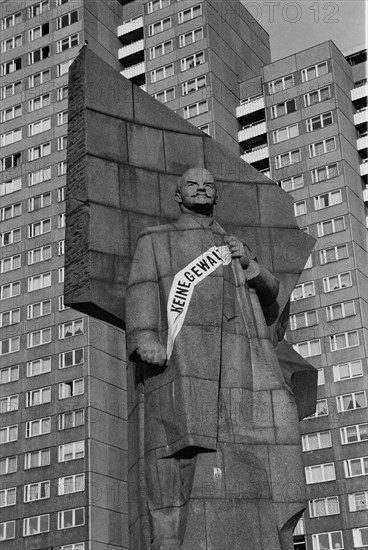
pixel 252 131
pixel 364 169
pixel 250 107
pixel 358 93
pixel 362 143
pixel 361 117
pixel 131 25
pixel 256 155
pixel 365 195
pixel 131 48
pixel 134 70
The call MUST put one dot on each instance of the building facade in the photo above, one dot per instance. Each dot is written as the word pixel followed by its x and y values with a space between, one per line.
pixel 304 123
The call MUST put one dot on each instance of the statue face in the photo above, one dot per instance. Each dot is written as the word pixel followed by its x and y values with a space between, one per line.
pixel 197 190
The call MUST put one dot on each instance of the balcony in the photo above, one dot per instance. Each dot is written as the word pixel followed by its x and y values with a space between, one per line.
pixel 131 30
pixel 362 146
pixel 251 106
pixel 359 93
pixel 364 169
pixel 365 195
pixel 257 156
pixel 254 134
pixel 135 73
pixel 361 117
pixel 131 49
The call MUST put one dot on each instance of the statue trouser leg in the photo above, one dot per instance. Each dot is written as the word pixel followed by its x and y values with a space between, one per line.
pixel 169 484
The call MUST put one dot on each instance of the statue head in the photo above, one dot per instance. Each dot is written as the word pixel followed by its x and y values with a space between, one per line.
pixel 196 191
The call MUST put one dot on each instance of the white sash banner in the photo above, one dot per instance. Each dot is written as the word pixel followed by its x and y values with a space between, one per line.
pixel 183 285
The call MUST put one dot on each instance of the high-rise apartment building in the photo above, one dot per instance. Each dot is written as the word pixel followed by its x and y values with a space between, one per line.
pixel 304 123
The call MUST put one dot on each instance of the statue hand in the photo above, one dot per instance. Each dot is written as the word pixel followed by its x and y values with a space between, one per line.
pixel 152 352
pixel 237 250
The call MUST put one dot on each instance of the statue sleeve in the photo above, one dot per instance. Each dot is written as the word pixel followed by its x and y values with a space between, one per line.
pixel 262 280
pixel 142 299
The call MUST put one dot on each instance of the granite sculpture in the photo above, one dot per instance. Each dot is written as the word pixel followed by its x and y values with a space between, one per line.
pixel 215 394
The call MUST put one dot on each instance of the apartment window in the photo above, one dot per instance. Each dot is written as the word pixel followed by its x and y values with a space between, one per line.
pixel 38 366
pixel 351 401
pixel 39 254
pixel 321 409
pixel 325 173
pixel 283 108
pixel 11 137
pixel 334 253
pixel 304 290
pixel 196 109
pixel 317 96
pixel 11 113
pixel 38 396
pixel 205 128
pixel 288 158
pixel 39 176
pixel 354 434
pixel 9 404
pixel 327 199
pixel 194 85
pixel 71 484
pixel 303 319
pixel 39 78
pixel 11 211
pixel 292 183
pixel 10 237
pixel 7 530
pixel 71 358
pixel 41 426
pixel 190 13
pixel 318 440
pixel 61 248
pixel 156 5
pixel 282 134
pixel 356 467
pixel 8 465
pixel 329 227
pixel 38 32
pixel 71 388
pixel 36 525
pixel 71 451
pixel 162 72
pixel 62 143
pixel 39 151
pixel 281 84
pixel 62 168
pixel 9 345
pixel 62 93
pixel 71 419
pixel 62 118
pixel 37 9
pixel 10 263
pixel 344 371
pixel 192 61
pixel 11 43
pixel 38 309
pixel 61 274
pixel 320 121
pixel 11 161
pixel 8 187
pixel 70 518
pixel 159 26
pixel 36 491
pixel 63 68
pixel 319 473
pixel 39 337
pixel 11 89
pixel 62 306
pixel 309 348
pixel 67 43
pixel 300 208
pixel 8 434
pixel 321 147
pixel 320 377
pixel 331 539
pixel 37 459
pixel 38 55
pixel 39 281
pixel 9 374
pixel 67 19
pixel 165 95
pixel 340 311
pixel 39 201
pixel 72 328
pixel 315 71
pixel 39 228
pixel 8 497
pixel 11 20
pixel 161 49
pixel 11 66
pixel 344 340
pixel 190 37
pixel 73 546
pixel 360 537
pixel 358 501
pixel 9 290
pixel 39 126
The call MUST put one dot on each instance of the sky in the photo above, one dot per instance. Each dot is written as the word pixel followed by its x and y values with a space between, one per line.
pixel 294 26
